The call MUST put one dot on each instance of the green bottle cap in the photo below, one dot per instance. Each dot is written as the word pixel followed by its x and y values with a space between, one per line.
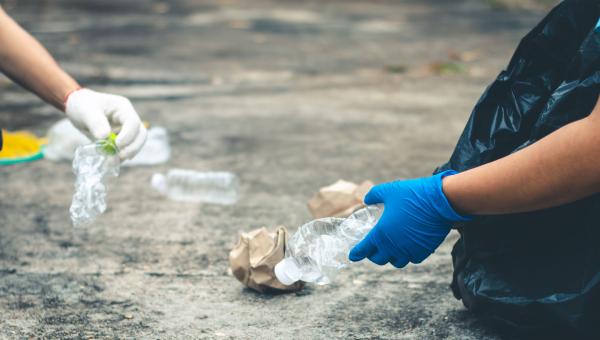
pixel 108 145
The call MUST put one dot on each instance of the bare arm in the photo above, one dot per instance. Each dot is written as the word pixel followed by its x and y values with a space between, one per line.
pixel 560 168
pixel 26 62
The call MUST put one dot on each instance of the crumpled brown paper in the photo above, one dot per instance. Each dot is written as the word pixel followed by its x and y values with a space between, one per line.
pixel 253 258
pixel 340 199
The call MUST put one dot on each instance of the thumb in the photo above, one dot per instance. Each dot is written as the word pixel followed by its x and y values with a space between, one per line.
pixel 375 195
pixel 97 123
pixel 363 249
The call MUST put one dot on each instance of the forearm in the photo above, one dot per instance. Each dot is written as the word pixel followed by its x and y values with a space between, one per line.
pixel 25 61
pixel 560 168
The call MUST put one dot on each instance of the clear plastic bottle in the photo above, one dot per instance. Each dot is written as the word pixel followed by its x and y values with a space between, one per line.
pixel 319 249
pixel 93 164
pixel 193 186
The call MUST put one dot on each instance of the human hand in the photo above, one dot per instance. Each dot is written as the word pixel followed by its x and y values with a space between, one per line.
pixel 95 113
pixel 416 219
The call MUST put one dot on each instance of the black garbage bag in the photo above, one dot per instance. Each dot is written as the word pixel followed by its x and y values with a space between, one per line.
pixel 533 271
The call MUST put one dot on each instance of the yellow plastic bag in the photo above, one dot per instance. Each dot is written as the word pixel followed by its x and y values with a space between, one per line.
pixel 19 147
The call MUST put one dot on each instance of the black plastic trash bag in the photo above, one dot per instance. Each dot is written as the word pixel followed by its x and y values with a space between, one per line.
pixel 542 269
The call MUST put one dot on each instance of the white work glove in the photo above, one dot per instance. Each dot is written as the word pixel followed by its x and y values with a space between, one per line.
pixel 95 113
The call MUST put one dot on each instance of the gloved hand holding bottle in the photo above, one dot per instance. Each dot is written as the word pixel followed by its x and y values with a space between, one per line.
pixel 25 61
pixel 96 113
pixel 416 219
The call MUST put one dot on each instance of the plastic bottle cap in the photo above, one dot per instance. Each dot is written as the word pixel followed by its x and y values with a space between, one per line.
pixel 159 182
pixel 287 272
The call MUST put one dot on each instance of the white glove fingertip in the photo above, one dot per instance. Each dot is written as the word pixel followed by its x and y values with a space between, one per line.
pixel 100 129
pixel 129 131
pixel 133 148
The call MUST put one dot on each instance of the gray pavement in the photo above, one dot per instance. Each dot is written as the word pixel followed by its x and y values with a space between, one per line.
pixel 290 95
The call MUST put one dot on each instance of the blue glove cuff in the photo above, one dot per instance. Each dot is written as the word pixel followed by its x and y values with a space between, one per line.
pixel 441 203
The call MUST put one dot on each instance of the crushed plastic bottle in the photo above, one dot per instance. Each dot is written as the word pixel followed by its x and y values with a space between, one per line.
pixel 193 186
pixel 319 249
pixel 92 165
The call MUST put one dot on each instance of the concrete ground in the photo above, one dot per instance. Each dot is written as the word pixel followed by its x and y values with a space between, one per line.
pixel 291 96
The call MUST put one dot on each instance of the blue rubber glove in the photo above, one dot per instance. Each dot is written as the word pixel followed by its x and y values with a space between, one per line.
pixel 416 219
